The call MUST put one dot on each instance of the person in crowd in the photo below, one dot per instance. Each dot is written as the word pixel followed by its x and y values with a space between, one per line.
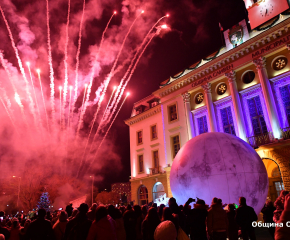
pixel 139 220
pixel 74 213
pixel 196 219
pixel 245 215
pixel 40 229
pixel 169 216
pixel 103 227
pixel 48 216
pixel 217 221
pixel 69 210
pixel 130 221
pixel 177 213
pixel 282 233
pixel 144 211
pixel 92 213
pixel 149 224
pixel 117 216
pixel 233 230
pixel 60 225
pixel 15 230
pixel 78 227
pixel 24 229
pixel 166 230
pixel 279 205
pixel 268 214
pixel 160 210
pixel 2 237
pixel 3 230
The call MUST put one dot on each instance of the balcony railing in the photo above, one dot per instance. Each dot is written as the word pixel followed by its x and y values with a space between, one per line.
pixel 265 138
pixel 155 170
pixel 286 133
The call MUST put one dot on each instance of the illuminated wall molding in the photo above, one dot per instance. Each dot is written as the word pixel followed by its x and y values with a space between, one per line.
pixel 144 115
pixel 221 104
pixel 200 112
pixel 248 94
pixel 279 82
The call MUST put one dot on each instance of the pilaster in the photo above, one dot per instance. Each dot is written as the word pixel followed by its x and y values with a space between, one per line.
pixel 268 95
pixel 211 113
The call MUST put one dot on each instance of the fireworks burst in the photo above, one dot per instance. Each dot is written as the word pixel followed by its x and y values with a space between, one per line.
pixel 66 140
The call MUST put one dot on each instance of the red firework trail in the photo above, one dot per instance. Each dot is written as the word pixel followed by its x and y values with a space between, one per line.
pixel 9 115
pixel 78 56
pixel 3 61
pixel 129 78
pixel 65 85
pixel 28 66
pixel 39 78
pixel 92 126
pixel 31 103
pixel 91 79
pixel 51 72
pixel 108 131
pixel 107 80
pixel 106 115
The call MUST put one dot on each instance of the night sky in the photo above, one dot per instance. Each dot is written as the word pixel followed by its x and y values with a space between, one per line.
pixel 194 35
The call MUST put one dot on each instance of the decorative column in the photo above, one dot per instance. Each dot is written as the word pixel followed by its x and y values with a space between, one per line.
pixel 268 95
pixel 237 105
pixel 211 114
pixel 188 115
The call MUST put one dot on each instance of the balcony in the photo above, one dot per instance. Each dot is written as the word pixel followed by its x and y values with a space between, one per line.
pixel 286 133
pixel 155 170
pixel 259 140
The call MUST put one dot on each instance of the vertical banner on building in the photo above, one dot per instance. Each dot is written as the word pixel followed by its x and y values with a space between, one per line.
pixel 236 35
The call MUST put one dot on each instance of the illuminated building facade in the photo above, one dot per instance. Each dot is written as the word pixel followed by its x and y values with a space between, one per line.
pixel 243 89
pixel 123 190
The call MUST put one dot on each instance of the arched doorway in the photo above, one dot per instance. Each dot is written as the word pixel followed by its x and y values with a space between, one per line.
pixel 275 179
pixel 158 191
pixel 142 195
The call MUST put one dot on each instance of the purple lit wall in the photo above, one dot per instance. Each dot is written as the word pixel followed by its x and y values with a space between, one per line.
pixel 219 165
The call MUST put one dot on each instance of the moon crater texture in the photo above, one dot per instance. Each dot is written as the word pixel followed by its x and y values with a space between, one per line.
pixel 219 165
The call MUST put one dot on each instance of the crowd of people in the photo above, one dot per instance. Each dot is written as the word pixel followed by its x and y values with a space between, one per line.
pixel 149 222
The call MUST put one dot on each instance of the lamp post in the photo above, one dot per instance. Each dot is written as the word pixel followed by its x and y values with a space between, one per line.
pixel 19 181
pixel 93 179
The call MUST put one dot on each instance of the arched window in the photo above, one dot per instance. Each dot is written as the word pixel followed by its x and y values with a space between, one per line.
pixel 158 190
pixel 142 195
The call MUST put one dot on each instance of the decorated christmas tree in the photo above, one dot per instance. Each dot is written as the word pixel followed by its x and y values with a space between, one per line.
pixel 44 201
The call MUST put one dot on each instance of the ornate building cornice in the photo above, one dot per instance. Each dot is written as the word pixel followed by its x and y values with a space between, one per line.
pixel 206 87
pixel 231 76
pixel 251 46
pixel 186 97
pixel 260 62
pixel 143 115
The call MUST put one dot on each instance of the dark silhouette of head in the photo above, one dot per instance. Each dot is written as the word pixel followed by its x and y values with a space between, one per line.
pixel 200 201
pixel 83 208
pixel 41 213
pixel 167 214
pixel 243 201
pixel 137 210
pixel 152 215
pixel 101 212
pixel 231 207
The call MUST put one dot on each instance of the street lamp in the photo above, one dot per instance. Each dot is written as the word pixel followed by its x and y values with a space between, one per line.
pixel 19 181
pixel 93 179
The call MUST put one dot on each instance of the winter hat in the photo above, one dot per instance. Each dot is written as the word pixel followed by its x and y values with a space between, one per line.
pixel 165 231
pixel 2 237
